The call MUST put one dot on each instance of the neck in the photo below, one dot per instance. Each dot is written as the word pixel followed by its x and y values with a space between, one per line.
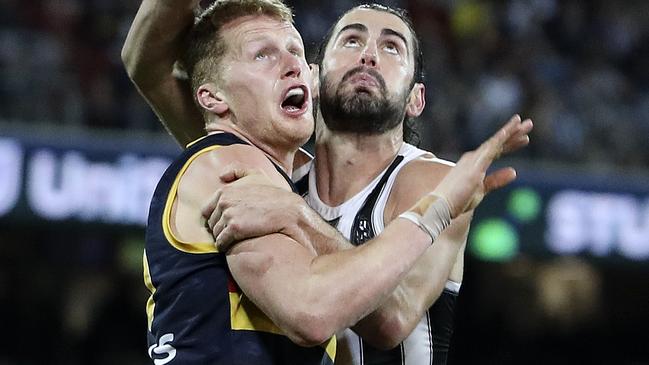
pixel 281 155
pixel 347 162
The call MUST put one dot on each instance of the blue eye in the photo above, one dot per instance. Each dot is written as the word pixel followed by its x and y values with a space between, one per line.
pixel 261 56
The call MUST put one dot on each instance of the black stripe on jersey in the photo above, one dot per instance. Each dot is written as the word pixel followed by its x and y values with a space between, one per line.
pixel 362 229
pixel 442 315
pixel 430 336
pixel 334 222
pixel 286 177
pixel 374 356
pixel 302 185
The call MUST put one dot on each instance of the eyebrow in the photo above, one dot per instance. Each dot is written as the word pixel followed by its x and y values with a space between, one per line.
pixel 362 28
pixel 388 31
pixel 355 26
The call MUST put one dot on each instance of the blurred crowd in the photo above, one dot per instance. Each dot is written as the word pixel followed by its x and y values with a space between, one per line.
pixel 579 68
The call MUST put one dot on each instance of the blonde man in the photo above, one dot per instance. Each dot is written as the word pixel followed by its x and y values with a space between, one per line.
pixel 272 299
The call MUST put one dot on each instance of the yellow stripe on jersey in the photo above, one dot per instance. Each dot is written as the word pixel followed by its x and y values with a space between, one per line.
pixel 150 304
pixel 244 315
pixel 330 348
pixel 188 247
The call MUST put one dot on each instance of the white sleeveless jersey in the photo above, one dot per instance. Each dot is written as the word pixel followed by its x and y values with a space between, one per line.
pixel 359 219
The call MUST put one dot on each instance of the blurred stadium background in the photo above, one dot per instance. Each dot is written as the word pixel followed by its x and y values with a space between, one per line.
pixel 557 267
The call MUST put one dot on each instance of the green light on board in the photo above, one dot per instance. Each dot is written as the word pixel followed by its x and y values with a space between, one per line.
pixel 494 240
pixel 524 204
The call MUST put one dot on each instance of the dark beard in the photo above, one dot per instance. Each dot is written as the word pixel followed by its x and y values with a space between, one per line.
pixel 360 112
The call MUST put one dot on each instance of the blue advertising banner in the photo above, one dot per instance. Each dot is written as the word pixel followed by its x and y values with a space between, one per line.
pixel 103 180
pixel 108 181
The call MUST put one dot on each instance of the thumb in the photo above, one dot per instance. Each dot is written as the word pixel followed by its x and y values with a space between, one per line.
pixel 499 179
pixel 234 172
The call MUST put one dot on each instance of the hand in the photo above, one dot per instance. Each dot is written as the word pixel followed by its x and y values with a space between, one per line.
pixel 466 184
pixel 249 206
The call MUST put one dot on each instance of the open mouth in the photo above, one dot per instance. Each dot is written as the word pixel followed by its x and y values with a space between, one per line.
pixel 295 100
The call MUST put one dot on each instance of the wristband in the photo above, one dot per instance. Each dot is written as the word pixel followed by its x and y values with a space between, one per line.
pixel 436 217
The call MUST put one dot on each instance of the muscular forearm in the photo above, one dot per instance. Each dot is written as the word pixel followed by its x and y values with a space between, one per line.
pixel 330 292
pixel 457 272
pixel 399 314
pixel 155 39
pixel 311 228
pixel 153 45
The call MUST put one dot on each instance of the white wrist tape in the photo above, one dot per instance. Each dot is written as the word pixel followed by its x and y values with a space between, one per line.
pixel 435 219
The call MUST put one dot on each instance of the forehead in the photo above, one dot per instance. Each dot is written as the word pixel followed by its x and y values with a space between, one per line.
pixel 253 27
pixel 375 21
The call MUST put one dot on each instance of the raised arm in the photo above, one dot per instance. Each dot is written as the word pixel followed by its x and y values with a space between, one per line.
pixel 298 290
pixel 311 297
pixel 400 313
pixel 396 318
pixel 153 45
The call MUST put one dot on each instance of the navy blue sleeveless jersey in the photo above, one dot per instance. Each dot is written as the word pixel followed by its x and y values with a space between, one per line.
pixel 196 312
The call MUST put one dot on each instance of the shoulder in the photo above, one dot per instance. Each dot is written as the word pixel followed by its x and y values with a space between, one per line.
pixel 200 179
pixel 417 178
pixel 426 167
pixel 208 164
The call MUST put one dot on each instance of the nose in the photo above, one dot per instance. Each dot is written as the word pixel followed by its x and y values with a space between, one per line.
pixel 368 56
pixel 292 67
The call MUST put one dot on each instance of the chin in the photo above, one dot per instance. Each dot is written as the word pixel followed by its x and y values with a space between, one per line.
pixel 300 136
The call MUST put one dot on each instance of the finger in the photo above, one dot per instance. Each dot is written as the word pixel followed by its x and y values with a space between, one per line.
pixel 228 237
pixel 499 179
pixel 493 147
pixel 232 174
pixel 215 217
pixel 224 241
pixel 511 137
pixel 208 208
pixel 218 227
pixel 234 171
pixel 527 126
pixel 252 177
pixel 521 138
pixel 516 144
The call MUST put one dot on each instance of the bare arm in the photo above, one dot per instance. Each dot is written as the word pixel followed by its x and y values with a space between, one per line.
pixel 311 297
pixel 153 45
pixel 298 290
pixel 395 319
pixel 400 313
pixel 251 212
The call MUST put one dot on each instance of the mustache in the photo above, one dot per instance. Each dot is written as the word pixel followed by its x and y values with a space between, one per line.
pixel 363 69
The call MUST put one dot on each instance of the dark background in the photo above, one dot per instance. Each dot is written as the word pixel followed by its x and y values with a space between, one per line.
pixel 71 292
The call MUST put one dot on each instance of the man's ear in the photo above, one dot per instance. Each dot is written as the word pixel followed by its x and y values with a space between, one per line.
pixel 416 100
pixel 315 81
pixel 211 99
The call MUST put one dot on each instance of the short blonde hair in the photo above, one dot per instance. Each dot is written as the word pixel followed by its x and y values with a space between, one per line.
pixel 205 47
